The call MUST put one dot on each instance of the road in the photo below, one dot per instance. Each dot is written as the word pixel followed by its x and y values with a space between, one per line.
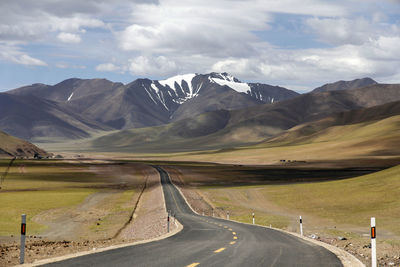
pixel 207 241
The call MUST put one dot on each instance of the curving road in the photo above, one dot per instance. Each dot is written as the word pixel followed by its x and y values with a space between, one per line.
pixel 207 241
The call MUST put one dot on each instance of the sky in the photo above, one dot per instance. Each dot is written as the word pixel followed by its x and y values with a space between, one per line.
pixel 296 44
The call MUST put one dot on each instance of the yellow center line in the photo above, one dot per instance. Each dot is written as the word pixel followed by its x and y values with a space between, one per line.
pixel 225 226
pixel 233 242
pixel 230 229
pixel 193 264
pixel 235 237
pixel 234 233
pixel 220 224
pixel 219 250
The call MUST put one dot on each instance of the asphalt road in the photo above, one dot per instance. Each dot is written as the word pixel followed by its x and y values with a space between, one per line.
pixel 207 241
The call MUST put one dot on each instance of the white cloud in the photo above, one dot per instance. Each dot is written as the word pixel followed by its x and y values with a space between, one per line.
pixel 71 38
pixel 342 30
pixel 13 54
pixel 63 65
pixel 160 65
pixel 108 67
pixel 168 37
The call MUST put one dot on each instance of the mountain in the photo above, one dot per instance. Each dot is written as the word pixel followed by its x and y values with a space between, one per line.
pixel 33 118
pixel 345 85
pixel 226 129
pixel 146 102
pixel 326 128
pixel 14 147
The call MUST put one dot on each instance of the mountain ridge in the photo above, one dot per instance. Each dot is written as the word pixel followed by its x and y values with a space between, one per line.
pixel 145 102
pixel 246 126
pixel 345 85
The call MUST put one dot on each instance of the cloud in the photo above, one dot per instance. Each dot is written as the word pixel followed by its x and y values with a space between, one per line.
pixel 69 66
pixel 167 37
pixel 376 58
pixel 13 54
pixel 108 67
pixel 193 28
pixel 341 30
pixel 160 65
pixel 71 38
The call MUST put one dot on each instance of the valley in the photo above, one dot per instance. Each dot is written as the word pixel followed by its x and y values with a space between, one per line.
pixel 229 145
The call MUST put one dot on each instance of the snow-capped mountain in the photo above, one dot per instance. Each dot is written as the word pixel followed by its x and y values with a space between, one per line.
pixel 146 102
pixel 181 88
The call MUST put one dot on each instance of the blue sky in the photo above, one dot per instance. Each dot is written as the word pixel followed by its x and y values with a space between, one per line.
pixel 296 44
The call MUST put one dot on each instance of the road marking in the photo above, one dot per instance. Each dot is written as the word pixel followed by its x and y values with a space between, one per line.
pixel 220 224
pixel 193 264
pixel 230 229
pixel 225 226
pixel 233 242
pixel 219 250
pixel 235 237
pixel 234 233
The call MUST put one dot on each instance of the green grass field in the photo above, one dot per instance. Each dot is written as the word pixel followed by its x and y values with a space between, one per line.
pixel 36 187
pixel 32 203
pixel 344 205
pixel 351 201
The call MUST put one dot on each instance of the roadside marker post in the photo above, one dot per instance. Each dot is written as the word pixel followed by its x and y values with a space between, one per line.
pixel 23 235
pixel 227 215
pixel 168 223
pixel 203 212
pixel 301 226
pixel 253 218
pixel 373 243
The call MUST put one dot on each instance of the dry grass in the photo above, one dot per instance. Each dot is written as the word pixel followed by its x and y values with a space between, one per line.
pixel 53 189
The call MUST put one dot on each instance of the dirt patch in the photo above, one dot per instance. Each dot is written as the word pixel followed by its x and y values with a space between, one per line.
pixel 151 216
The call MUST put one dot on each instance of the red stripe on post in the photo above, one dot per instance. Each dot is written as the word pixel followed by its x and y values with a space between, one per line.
pixel 373 232
pixel 23 228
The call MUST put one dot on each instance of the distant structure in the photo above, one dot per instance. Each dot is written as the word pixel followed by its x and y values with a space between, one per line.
pixel 37 156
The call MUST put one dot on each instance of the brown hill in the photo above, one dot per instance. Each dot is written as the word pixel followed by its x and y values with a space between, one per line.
pixel 33 118
pixel 224 129
pixel 11 146
pixel 345 85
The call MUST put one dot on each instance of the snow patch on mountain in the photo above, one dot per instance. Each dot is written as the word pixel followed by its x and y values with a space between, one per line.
pixel 237 86
pixel 179 80
pixel 70 97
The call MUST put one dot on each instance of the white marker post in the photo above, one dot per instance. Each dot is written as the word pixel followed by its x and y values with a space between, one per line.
pixel 227 215
pixel 203 212
pixel 373 242
pixel 23 235
pixel 253 218
pixel 301 226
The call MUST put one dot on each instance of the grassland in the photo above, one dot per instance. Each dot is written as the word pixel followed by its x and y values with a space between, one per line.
pixel 50 191
pixel 330 208
pixel 33 203
pixel 349 201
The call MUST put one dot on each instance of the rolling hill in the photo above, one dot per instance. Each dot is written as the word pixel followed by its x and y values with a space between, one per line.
pixel 36 119
pixel 14 147
pixel 345 85
pixel 227 129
